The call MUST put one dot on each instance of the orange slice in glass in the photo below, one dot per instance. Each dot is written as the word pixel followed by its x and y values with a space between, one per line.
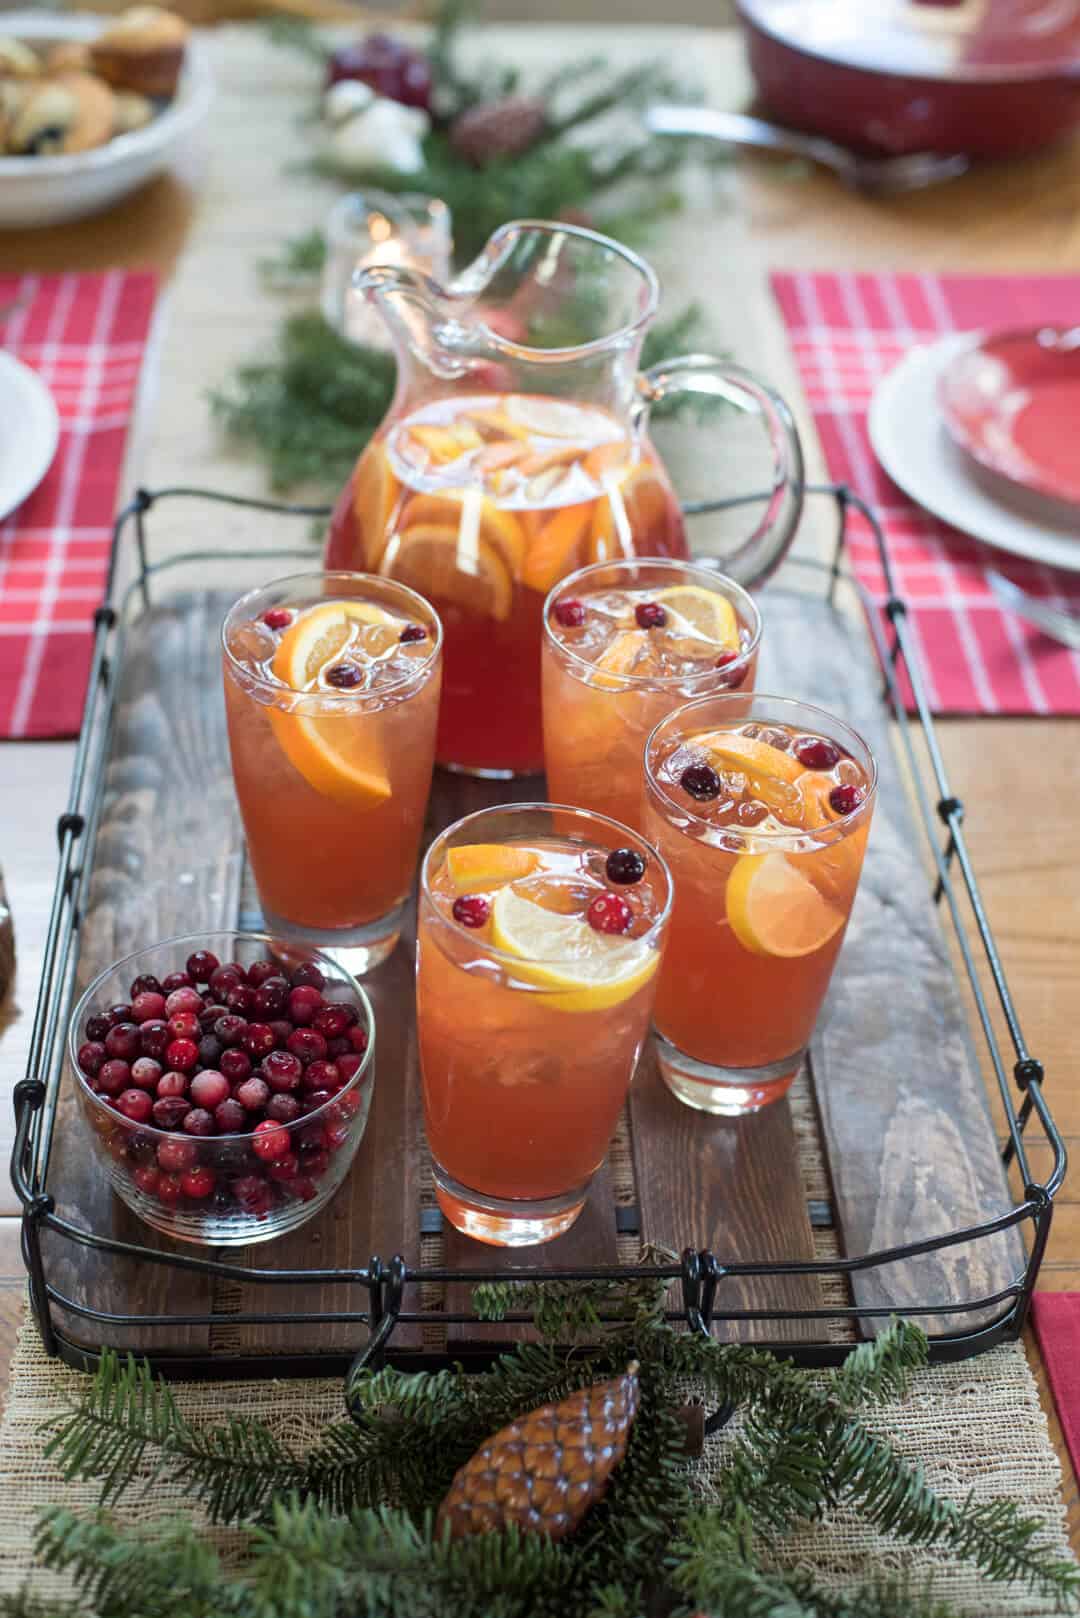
pixel 443 564
pixel 337 753
pixel 477 865
pixel 617 660
pixel 774 909
pixel 458 509
pixel 444 443
pixel 375 493
pixel 705 612
pixel 635 509
pixel 731 750
pixel 554 551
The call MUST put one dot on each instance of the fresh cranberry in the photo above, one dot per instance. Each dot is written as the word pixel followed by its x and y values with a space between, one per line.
pixel 283 1109
pixel 113 1076
pixel 301 1187
pixel 183 999
pixel 358 1039
pixel 471 910
pixel 844 800
pixel 253 1094
pixel 230 1029
pixel 147 1007
pixel 230 1116
pixel 210 1050
pixel 185 1025
pixel 282 1070
pixel 258 1040
pixel 312 1138
pixel 169 1190
pixel 154 1037
pixel 118 1014
pixel 412 632
pixel 306 1044
pixel 349 1104
pixel 147 1178
pixel 307 974
pixel 314 1099
pixel 624 866
pixel 650 615
pixel 224 979
pixel 271 1000
pixel 700 781
pixel 145 983
pixel 322 1076
pixel 260 971
pixel 336 1136
pixel 349 1065
pixel 344 676
pixel 235 1064
pixel 145 1073
pixel 197 1183
pixel 135 1105
pixel 332 1021
pixel 282 1029
pixel 338 1047
pixel 176 1155
pixel 92 1056
pixel 123 1041
pixel 208 1088
pixel 172 1084
pixel 304 1002
pixel 182 1054
pixel 209 1016
pixel 201 965
pixel 277 618
pixel 169 1112
pixel 815 753
pixel 198 1122
pixel 737 676
pixel 569 612
pixel 283 1168
pixel 609 913
pixel 253 1194
pixel 174 981
pixel 97 1028
pixel 241 999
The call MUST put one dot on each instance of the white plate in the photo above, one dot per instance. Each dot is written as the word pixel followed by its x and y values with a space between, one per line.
pixel 910 440
pixel 29 432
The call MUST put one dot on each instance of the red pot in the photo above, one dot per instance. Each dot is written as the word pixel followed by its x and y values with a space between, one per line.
pixel 985 77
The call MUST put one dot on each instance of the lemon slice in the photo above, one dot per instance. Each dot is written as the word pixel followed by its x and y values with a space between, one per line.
pixel 707 613
pixel 775 910
pixel 547 418
pixel 476 865
pixel 586 970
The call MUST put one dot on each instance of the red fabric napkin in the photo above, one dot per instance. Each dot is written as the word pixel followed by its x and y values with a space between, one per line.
pixel 1056 1318
pixel 85 336
pixel 847 331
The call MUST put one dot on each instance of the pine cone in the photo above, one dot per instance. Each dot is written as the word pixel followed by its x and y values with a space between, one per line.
pixel 497 129
pixel 544 1471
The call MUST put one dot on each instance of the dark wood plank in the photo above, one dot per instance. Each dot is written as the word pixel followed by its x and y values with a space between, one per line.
pixel 903 1106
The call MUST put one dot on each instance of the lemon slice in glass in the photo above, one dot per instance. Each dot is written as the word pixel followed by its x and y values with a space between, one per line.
pixel 584 969
pixel 706 612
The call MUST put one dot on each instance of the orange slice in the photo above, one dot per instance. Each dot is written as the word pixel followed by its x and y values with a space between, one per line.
pixel 337 754
pixel 731 750
pixel 481 864
pixel 440 562
pixel 636 508
pixel 497 424
pixel 541 417
pixel 455 509
pixel 705 612
pixel 775 910
pixel 375 493
pixel 554 551
pixel 445 443
pixel 617 660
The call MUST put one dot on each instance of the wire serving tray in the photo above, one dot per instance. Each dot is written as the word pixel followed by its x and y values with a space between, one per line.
pixel 395 1295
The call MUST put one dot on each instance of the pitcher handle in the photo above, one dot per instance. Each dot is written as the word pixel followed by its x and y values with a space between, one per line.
pixel 752 561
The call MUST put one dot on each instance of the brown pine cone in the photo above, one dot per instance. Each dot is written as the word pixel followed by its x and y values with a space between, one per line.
pixel 497 129
pixel 545 1470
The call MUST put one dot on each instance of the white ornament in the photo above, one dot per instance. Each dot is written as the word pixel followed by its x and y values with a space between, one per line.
pixel 369 131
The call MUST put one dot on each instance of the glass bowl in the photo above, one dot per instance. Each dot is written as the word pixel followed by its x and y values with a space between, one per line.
pixel 209 1186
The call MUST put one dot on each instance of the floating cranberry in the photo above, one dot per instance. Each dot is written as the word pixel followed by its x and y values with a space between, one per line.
pixel 201 966
pixel 147 1007
pixel 173 1084
pixel 174 981
pixel 92 1056
pixel 253 1194
pixel 235 1064
pixel 169 1189
pixel 304 1002
pixel 225 978
pixel 210 1050
pixel 154 1037
pixel 183 999
pixel 282 1070
pixel 277 618
pixel 208 1088
pixel 624 866
pixel 145 1073
pixel 259 971
pixel 182 1054
pixel 113 1076
pixel 241 999
pixel 322 1076
pixel 650 615
pixel 344 676
pixel 358 1039
pixel 609 913
pixel 258 1040
pixel 307 974
pixel 412 632
pixel 169 1112
pixel 135 1105
pixel 845 799
pixel 284 1168
pixel 230 1029
pixel 815 753
pixel 185 1025
pixel 700 781
pixel 283 1109
pixel 198 1122
pixel 97 1028
pixel 735 679
pixel 230 1116
pixel 569 612
pixel 332 1021
pixel 145 983
pixel 147 1178
pixel 176 1155
pixel 306 1044
pixel 271 1000
pixel 471 910
pixel 118 1014
pixel 197 1183
pixel 253 1094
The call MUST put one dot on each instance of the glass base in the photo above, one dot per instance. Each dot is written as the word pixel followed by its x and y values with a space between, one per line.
pixel 357 950
pixel 726 1092
pixel 503 1221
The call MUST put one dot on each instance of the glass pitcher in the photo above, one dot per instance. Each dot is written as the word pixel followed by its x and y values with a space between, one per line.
pixel 516 450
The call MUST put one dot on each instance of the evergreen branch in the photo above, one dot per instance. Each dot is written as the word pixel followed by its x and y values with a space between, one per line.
pixel 139 1573
pixel 25 1604
pixel 299 261
pixel 881 1368
pixel 567 1311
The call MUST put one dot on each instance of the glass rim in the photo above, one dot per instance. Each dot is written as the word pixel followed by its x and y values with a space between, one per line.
pixel 342 697
pixel 790 838
pixel 469 933
pixel 651 682
pixel 321 959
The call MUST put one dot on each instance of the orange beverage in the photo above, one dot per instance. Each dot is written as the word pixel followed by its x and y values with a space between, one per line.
pixel 625 643
pixel 482 502
pixel 331 694
pixel 762 808
pixel 540 934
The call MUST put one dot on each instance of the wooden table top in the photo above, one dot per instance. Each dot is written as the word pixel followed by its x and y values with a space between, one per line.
pixel 204 232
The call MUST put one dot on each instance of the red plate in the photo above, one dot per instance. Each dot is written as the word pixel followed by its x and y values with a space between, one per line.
pixel 1012 401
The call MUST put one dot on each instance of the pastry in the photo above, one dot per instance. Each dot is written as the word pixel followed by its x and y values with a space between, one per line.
pixel 17 61
pixel 70 113
pixel 67 56
pixel 143 50
pixel 95 115
pixel 130 112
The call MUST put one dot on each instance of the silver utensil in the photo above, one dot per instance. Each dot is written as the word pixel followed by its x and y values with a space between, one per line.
pixel 1053 621
pixel 873 176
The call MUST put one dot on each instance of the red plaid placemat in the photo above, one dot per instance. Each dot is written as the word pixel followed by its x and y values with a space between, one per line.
pixel 847 331
pixel 85 336
pixel 1056 1317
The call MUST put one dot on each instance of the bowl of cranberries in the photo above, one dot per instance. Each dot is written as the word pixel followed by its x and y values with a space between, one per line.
pixel 226 1079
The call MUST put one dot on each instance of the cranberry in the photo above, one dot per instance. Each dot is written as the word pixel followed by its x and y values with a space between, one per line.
pixel 737 676
pixel 569 612
pixel 306 1044
pixel 338 1047
pixel 277 618
pixel 349 1065
pixel 322 1076
pixel 412 632
pixel 283 1109
pixel 271 1000
pixel 700 781
pixel 344 676
pixel 97 1028
pixel 201 965
pixel 123 1041
pixel 145 983
pixel 172 1084
pixel 332 1021
pixel 230 1116
pixel 282 1070
pixel 258 1040
pixel 197 1183
pixel 185 1025
pixel 135 1105
pixel 650 615
pixel 92 1056
pixel 314 1099
pixel 176 1155
pixel 349 1104
pixel 241 999
pixel 183 999
pixel 624 866
pixel 253 1094
pixel 609 913
pixel 312 1138
pixel 169 1190
pixel 182 1054
pixel 210 1050
pixel 253 1194
pixel 118 1014
pixel 336 1136
pixel 471 910
pixel 358 1039
pixel 112 1077
pixel 209 1016
pixel 208 1088
pixel 230 1029
pixel 282 1029
pixel 844 800
pixel 307 974
pixel 154 1038
pixel 304 1002
pixel 284 1168
pixel 169 1112
pixel 260 971
pixel 198 1122
pixel 146 1178
pixel 147 1007
pixel 301 1187
pixel 224 979
pixel 815 753
pixel 174 981
pixel 235 1064
pixel 146 1072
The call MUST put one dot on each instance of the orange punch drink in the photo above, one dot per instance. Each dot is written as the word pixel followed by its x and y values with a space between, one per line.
pixel 625 643
pixel 539 943
pixel 761 807
pixel 332 697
